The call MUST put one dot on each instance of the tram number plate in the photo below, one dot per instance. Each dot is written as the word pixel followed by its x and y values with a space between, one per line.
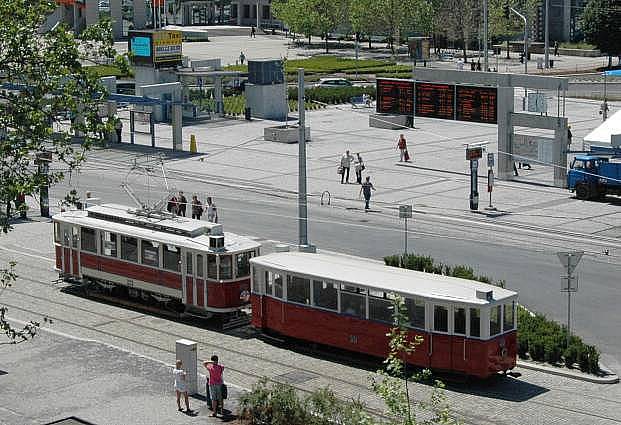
pixel 130 283
pixel 353 339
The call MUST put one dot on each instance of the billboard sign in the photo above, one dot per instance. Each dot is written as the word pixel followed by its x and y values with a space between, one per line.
pixel 141 46
pixel 167 47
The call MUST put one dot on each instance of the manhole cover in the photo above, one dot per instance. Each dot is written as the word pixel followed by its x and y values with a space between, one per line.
pixel 70 421
pixel 296 377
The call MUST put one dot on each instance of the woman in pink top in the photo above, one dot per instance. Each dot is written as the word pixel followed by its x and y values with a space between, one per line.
pixel 215 384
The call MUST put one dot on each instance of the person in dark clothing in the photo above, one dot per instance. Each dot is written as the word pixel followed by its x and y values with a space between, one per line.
pixel 183 203
pixel 556 48
pixel 197 208
pixel 173 205
pixel 253 32
pixel 569 135
pixel 365 190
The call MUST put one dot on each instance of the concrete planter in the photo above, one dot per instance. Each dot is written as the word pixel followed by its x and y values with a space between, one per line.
pixel 284 134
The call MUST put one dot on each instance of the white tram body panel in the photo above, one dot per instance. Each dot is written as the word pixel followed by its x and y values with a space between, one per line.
pixel 167 257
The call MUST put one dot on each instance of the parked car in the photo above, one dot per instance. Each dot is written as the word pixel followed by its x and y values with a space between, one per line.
pixel 333 83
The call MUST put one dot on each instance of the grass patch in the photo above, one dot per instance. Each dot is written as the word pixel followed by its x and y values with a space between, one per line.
pixel 105 71
pixel 580 46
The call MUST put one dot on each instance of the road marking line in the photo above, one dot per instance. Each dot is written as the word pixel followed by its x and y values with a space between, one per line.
pixel 27 254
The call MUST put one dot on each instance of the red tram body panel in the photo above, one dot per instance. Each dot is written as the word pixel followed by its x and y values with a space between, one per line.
pixel 479 356
pixel 169 258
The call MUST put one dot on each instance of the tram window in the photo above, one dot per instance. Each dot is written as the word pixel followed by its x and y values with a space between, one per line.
pixel 325 295
pixel 199 265
pixel 150 253
pixel 188 263
pixel 354 289
pixel 494 320
pixel 475 322
pixel 269 284
pixel 298 290
pixel 507 323
pixel 212 266
pixel 416 312
pixel 89 239
pixel 440 318
pixel 108 243
pixel 129 248
pixel 172 258
pixel 353 304
pixel 226 267
pixel 380 309
pixel 277 285
pixel 57 237
pixel 74 237
pixel 459 316
pixel 243 264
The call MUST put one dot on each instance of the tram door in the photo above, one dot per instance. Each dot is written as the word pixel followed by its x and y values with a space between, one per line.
pixel 70 238
pixel 194 282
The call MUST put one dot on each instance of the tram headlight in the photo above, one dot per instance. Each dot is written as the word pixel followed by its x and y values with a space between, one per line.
pixel 244 296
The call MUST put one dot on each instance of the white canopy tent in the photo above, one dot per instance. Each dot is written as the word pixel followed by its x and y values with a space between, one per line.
pixel 601 136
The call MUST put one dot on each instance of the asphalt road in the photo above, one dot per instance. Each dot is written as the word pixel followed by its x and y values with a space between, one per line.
pixel 528 264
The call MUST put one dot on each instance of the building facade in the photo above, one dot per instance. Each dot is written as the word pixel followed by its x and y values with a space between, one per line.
pixel 564 20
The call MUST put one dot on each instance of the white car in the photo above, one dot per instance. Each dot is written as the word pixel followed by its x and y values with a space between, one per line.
pixel 333 83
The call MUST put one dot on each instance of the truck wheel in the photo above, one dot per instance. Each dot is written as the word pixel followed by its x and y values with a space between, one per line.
pixel 582 192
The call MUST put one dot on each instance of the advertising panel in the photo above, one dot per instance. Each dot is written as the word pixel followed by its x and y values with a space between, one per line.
pixel 477 104
pixel 167 47
pixel 435 100
pixel 395 96
pixel 140 47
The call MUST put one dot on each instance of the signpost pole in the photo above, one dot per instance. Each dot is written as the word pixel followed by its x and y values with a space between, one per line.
pixel 405 212
pixel 569 260
pixel 405 249
pixel 302 211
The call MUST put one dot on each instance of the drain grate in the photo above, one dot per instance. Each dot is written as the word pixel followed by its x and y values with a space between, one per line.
pixel 296 377
pixel 70 421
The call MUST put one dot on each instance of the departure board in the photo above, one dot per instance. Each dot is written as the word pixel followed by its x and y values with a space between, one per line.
pixel 395 96
pixel 435 100
pixel 477 104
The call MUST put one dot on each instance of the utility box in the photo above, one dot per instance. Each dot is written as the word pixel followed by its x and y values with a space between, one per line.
pixel 265 71
pixel 186 351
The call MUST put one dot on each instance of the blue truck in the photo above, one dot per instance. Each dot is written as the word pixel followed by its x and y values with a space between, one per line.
pixel 595 175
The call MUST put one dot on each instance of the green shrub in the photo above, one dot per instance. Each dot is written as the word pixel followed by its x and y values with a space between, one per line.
pixel 536 348
pixel 552 350
pixel 333 96
pixel 588 359
pixel 522 347
pixel 570 355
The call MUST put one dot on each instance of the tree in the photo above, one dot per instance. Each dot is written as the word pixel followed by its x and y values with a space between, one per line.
pixel 363 17
pixel 511 26
pixel 401 17
pixel 461 18
pixel 44 80
pixel 601 20
pixel 295 14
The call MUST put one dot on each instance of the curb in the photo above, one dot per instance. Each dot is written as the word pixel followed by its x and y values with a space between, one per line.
pixel 609 378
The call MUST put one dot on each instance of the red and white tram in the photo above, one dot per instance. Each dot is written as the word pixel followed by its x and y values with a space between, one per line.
pixel 467 327
pixel 189 264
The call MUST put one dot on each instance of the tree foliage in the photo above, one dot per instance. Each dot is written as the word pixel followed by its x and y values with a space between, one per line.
pixel 601 21
pixel 44 82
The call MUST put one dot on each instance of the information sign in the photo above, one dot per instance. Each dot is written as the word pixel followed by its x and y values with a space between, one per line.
pixel 477 104
pixel 435 100
pixel 395 96
pixel 474 153
pixel 166 46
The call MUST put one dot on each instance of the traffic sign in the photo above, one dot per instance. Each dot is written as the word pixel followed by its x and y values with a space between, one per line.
pixel 490 160
pixel 474 153
pixel 570 260
pixel 405 211
pixel 490 180
pixel 569 284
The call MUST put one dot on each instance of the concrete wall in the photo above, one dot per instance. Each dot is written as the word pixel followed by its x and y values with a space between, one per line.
pixel 267 101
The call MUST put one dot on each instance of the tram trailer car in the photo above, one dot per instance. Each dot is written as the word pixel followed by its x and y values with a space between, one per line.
pixel 190 265
pixel 467 327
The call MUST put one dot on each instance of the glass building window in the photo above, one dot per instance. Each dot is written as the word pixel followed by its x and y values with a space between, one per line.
pixel 459 317
pixel 440 318
pixel 108 243
pixel 129 248
pixel 199 265
pixel 150 253
pixel 226 267
pixel 212 266
pixel 416 312
pixel 475 322
pixel 298 290
pixel 380 308
pixel 325 295
pixel 89 239
pixel 172 258
pixel 494 320
pixel 507 323
pixel 243 264
pixel 278 285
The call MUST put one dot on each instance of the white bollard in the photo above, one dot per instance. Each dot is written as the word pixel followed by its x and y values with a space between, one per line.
pixel 186 351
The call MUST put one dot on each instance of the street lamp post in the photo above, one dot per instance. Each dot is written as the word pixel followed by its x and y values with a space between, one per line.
pixel 302 207
pixel 485 24
pixel 525 39
pixel 547 35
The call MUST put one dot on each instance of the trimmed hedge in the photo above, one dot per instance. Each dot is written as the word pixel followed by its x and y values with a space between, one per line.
pixel 538 337
pixel 332 96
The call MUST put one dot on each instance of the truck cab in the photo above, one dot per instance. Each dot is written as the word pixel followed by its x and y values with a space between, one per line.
pixel 593 176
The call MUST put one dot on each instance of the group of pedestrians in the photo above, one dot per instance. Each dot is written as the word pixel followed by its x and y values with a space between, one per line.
pixel 178 204
pixel 215 389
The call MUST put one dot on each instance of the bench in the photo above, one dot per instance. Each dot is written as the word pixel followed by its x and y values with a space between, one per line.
pixel 363 101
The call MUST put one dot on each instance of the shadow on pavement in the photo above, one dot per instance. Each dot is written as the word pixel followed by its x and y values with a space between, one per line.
pixel 501 387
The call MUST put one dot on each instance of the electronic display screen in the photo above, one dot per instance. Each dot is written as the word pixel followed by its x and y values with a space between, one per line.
pixel 435 100
pixel 395 96
pixel 141 46
pixel 478 104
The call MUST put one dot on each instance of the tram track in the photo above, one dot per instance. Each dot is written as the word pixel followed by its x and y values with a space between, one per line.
pixel 209 346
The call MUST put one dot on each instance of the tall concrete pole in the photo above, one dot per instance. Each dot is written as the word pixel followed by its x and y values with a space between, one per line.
pixel 302 212
pixel 547 34
pixel 485 25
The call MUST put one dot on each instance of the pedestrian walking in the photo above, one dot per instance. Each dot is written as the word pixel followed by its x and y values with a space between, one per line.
pixel 569 135
pixel 216 384
pixel 403 149
pixel 365 190
pixel 346 161
pixel 118 126
pixel 181 386
pixel 212 211
pixel 359 167
pixel 183 203
pixel 172 205
pixel 242 58
pixel 253 32
pixel 556 48
pixel 197 208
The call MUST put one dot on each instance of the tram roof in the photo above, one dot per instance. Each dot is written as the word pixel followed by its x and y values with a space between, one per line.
pixel 157 230
pixel 374 275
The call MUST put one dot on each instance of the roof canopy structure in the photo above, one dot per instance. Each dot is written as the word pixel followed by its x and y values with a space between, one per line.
pixel 601 136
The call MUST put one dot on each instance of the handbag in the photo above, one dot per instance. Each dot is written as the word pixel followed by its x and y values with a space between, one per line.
pixel 362 167
pixel 225 391
pixel 340 170
pixel 406 154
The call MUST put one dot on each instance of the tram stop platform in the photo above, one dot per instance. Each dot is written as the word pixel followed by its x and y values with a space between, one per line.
pixel 58 379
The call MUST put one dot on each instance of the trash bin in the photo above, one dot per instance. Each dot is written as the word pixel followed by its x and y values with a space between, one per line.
pixel 248 114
